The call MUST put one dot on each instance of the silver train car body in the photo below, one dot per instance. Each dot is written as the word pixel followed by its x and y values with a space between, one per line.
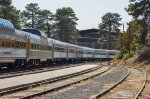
pixel 33 47
pixel 88 53
pixel 59 50
pixel 101 54
pixel 112 53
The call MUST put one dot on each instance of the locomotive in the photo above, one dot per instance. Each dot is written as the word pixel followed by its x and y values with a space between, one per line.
pixel 33 47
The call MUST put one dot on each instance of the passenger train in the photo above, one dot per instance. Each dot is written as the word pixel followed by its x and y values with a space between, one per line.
pixel 33 47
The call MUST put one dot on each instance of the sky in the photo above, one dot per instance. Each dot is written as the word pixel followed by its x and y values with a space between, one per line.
pixel 89 12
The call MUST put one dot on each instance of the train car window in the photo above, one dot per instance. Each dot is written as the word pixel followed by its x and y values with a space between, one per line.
pixel 41 47
pixel 3 43
pixel 17 44
pixel 6 44
pixel 47 48
pixel 9 44
pixel 71 50
pixel 32 46
pixel 80 52
pixel 50 48
pixel 20 44
pixel 56 48
pixel 23 44
pixel 37 46
pixel 12 44
pixel 89 52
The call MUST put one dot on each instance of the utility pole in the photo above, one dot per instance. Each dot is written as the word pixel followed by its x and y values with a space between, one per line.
pixel 123 27
pixel 109 36
pixel 122 51
pixel 129 38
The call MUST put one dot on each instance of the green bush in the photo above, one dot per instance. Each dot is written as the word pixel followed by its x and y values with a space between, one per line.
pixel 127 56
pixel 118 56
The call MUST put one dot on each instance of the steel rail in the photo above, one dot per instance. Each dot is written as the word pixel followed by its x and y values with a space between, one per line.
pixel 110 88
pixel 143 85
pixel 13 89
pixel 60 87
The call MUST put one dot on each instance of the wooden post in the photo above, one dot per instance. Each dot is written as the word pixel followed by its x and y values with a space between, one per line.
pixel 129 38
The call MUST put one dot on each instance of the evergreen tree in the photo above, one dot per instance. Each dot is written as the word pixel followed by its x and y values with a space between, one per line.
pixel 9 12
pixel 140 10
pixel 45 22
pixel 30 15
pixel 110 22
pixel 65 22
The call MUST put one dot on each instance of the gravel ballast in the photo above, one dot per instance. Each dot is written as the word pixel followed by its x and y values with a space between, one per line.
pixel 88 89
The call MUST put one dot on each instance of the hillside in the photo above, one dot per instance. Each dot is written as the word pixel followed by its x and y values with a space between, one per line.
pixel 143 56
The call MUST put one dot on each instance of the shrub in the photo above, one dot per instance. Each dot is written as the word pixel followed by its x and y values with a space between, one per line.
pixel 118 56
pixel 127 56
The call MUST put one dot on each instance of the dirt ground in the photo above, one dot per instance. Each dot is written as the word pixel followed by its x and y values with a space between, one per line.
pixel 146 67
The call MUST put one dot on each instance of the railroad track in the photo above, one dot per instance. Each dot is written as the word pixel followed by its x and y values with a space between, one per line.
pixel 145 92
pixel 129 87
pixel 30 88
pixel 89 88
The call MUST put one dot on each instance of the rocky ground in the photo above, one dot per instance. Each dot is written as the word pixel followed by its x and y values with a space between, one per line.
pixel 140 60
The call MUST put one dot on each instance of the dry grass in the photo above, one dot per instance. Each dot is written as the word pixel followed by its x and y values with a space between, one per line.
pixel 142 65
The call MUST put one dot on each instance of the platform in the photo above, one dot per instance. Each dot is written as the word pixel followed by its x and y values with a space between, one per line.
pixel 26 79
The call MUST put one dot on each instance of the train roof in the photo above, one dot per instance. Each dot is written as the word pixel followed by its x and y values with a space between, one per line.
pixel 33 38
pixel 35 32
pixel 6 23
pixel 102 50
pixel 113 51
pixel 71 45
pixel 88 49
pixel 57 42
